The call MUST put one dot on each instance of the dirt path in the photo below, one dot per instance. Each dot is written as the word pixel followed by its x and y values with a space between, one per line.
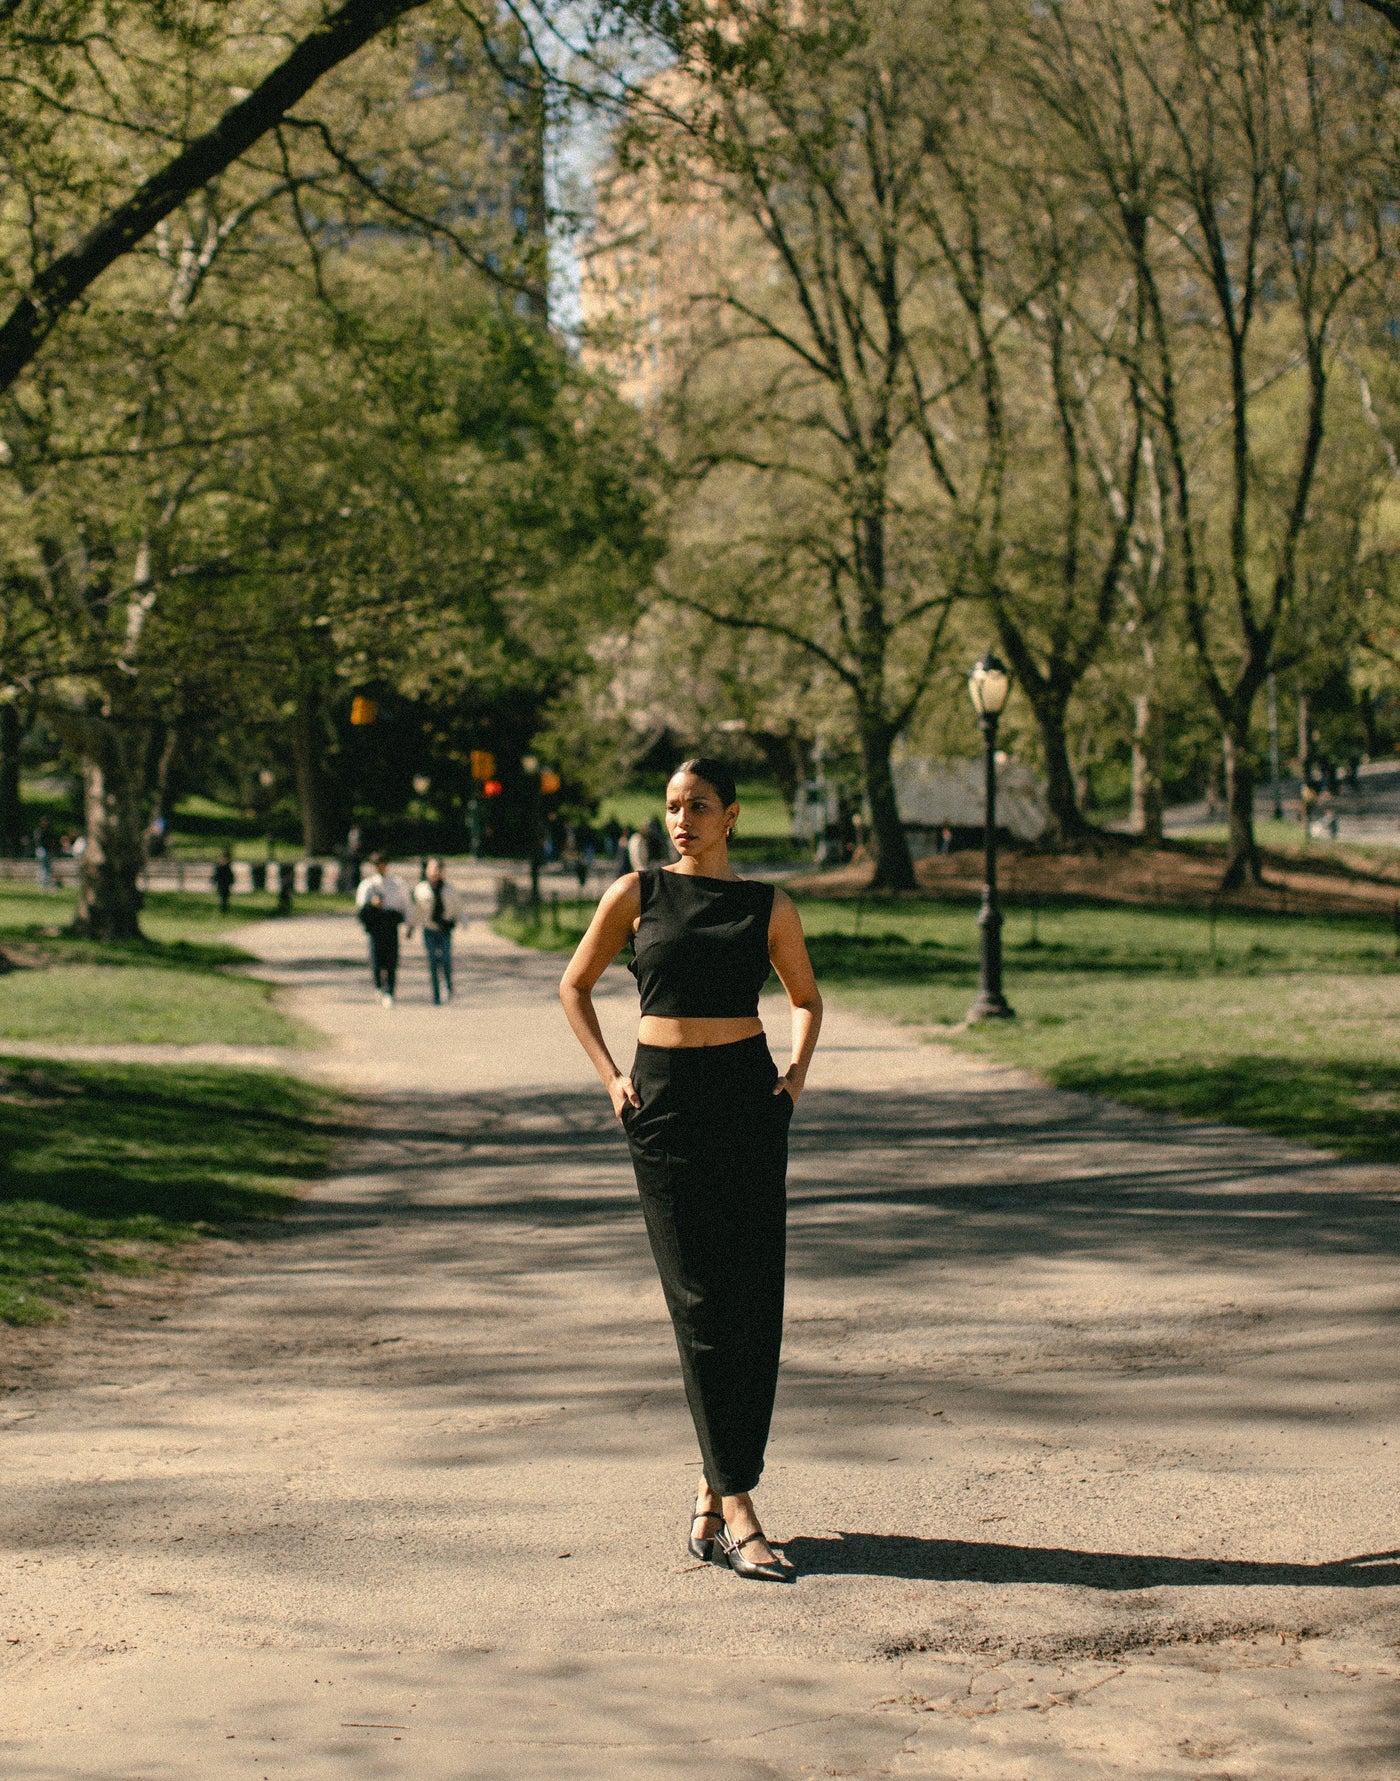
pixel 1084 1447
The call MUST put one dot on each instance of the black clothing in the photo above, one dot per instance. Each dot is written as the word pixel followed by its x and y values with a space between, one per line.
pixel 701 949
pixel 709 1147
pixel 382 926
pixel 384 957
pixel 223 884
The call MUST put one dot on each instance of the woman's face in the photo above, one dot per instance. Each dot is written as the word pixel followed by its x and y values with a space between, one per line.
pixel 695 819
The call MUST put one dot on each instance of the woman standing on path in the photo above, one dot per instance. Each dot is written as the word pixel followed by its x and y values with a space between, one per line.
pixel 706 1115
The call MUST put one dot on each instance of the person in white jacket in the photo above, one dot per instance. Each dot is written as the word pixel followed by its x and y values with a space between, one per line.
pixel 439 907
pixel 382 902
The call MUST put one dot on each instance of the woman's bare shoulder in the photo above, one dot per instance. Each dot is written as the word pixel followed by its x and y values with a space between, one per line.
pixel 622 893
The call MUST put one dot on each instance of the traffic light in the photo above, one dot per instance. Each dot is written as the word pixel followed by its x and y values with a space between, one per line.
pixel 491 789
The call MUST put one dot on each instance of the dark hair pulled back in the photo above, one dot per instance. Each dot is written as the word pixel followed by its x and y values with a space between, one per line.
pixel 714 772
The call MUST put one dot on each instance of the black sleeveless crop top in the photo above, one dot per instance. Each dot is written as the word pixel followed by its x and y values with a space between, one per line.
pixel 701 949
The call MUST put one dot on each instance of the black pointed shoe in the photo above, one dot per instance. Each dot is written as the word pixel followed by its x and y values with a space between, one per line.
pixel 704 1550
pixel 741 1567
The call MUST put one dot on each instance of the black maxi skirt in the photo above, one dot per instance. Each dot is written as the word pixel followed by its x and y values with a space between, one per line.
pixel 709 1148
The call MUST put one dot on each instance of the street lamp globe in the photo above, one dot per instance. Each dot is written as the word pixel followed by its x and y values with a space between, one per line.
pixel 987 685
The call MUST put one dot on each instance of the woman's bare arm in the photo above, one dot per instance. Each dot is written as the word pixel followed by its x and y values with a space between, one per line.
pixel 787 948
pixel 608 933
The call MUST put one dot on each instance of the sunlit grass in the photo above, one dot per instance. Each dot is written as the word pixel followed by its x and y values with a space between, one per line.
pixel 103 1168
pixel 1287 1024
pixel 763 813
pixel 175 987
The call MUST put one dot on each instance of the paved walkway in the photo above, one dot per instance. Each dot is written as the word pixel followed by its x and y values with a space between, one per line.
pixel 1084 1446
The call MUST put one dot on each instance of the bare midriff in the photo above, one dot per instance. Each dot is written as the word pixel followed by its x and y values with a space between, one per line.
pixel 687 1032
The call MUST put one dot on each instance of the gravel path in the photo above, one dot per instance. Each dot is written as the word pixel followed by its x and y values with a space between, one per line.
pixel 1083 1445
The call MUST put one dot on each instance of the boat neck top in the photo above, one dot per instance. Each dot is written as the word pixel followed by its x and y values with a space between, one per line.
pixel 700 950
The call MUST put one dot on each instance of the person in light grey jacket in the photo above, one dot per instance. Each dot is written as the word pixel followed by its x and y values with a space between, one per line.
pixel 439 908
pixel 382 904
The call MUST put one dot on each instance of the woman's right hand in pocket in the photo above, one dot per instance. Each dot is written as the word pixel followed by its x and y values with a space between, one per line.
pixel 624 1095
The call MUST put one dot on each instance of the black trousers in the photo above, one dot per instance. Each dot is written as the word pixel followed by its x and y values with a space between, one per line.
pixel 384 954
pixel 709 1147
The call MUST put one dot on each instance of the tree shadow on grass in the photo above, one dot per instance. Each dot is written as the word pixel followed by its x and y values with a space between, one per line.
pixel 1338 1105
pixel 189 1145
pixel 870 961
pixel 977 1561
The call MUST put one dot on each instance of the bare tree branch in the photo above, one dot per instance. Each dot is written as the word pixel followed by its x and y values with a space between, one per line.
pixel 64 280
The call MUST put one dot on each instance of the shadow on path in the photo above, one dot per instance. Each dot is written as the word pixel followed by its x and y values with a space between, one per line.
pixel 883 1179
pixel 975 1561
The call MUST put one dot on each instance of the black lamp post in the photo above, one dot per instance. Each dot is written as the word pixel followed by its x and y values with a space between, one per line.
pixel 988 684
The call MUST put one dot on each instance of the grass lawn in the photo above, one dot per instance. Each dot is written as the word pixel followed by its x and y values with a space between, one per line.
pixel 106 1167
pixel 174 988
pixel 1287 1024
pixel 1288 840
pixel 763 814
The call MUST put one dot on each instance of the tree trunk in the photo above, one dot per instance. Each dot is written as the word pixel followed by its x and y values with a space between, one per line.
pixel 162 779
pixel 1370 733
pixel 1242 860
pixel 11 803
pixel 894 869
pixel 1145 814
pixel 786 757
pixel 315 789
pixel 109 896
pixel 1067 824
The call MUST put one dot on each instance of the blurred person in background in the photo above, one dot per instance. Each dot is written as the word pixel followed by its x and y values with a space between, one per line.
pixel 659 848
pixel 384 905
pixel 223 880
pixel 43 853
pixel 439 909
pixel 585 849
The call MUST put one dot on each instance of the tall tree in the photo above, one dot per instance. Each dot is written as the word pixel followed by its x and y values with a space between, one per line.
pixel 129 454
pixel 900 371
pixel 1250 199
pixel 52 49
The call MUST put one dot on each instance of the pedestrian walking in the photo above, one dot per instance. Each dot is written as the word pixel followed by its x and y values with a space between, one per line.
pixel 223 880
pixel 706 1116
pixel 585 849
pixel 638 850
pixel 439 909
pixel 383 904
pixel 43 853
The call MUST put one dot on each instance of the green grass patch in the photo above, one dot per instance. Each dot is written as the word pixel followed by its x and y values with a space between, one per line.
pixel 103 1168
pixel 161 1003
pixel 1286 841
pixel 175 987
pixel 1285 1024
pixel 550 930
pixel 763 812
